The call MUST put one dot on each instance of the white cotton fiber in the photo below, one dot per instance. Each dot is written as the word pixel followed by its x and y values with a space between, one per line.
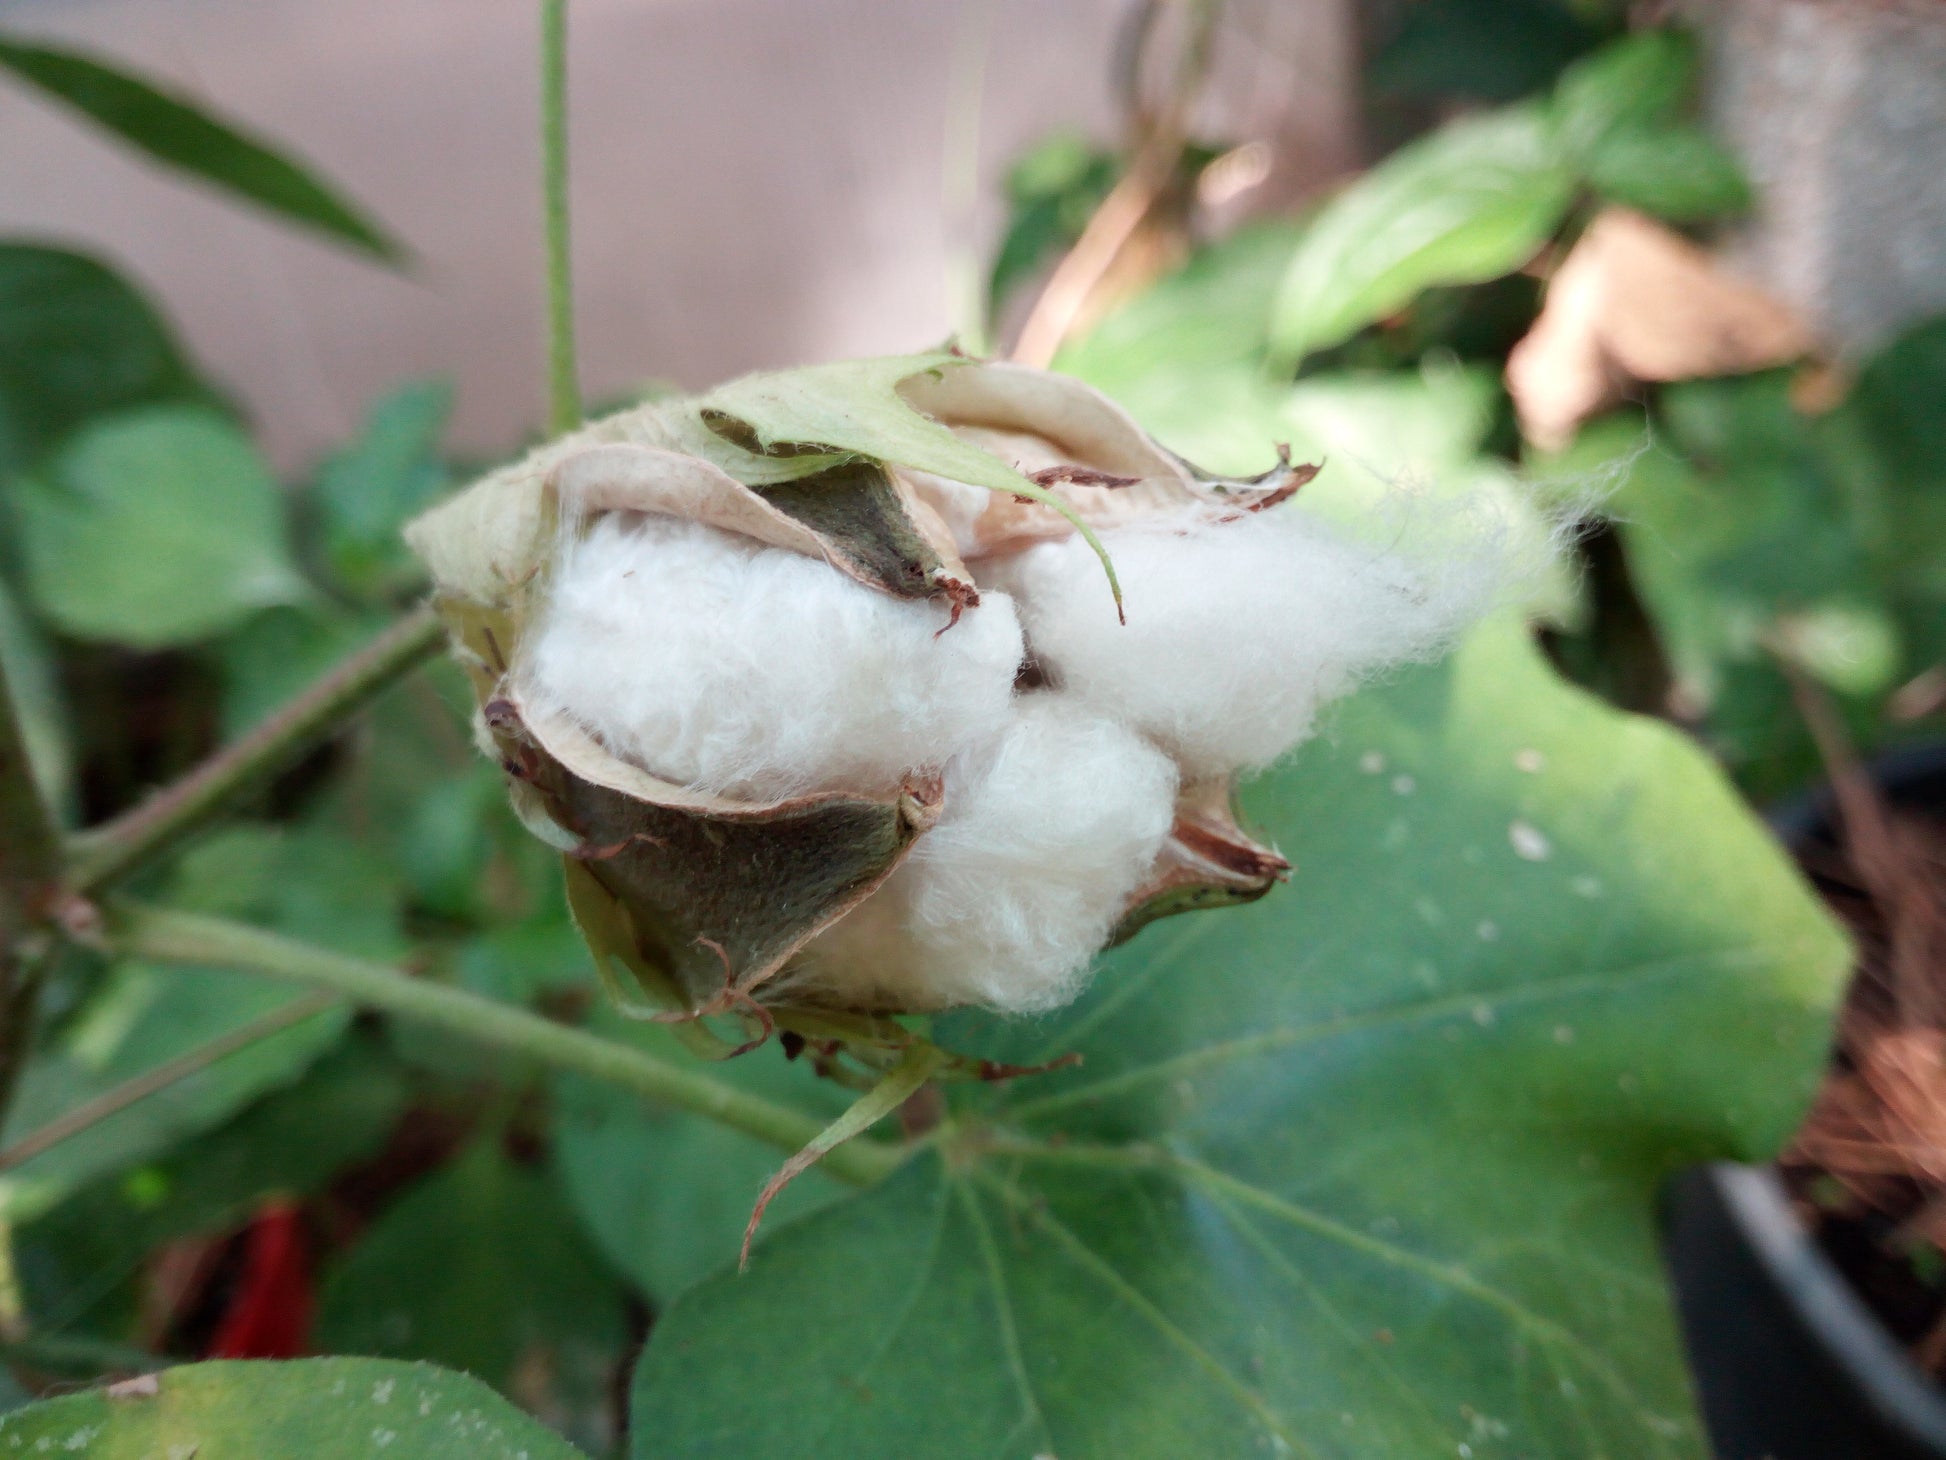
pixel 1241 626
pixel 1048 828
pixel 721 664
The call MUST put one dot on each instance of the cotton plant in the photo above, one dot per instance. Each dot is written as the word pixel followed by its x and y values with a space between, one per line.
pixel 905 684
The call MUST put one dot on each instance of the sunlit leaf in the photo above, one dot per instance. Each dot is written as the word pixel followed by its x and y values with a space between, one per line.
pixel 320 1409
pixel 1468 203
pixel 156 527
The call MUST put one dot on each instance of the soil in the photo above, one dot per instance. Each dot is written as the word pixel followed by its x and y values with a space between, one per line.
pixel 1867 1171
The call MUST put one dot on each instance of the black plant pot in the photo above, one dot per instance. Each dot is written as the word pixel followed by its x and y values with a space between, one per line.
pixel 1790 1363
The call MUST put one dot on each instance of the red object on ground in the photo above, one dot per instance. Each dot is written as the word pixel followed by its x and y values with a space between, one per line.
pixel 269 1316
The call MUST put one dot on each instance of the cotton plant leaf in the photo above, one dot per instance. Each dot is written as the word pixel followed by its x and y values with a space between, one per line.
pixel 154 528
pixel 1632 86
pixel 1471 202
pixel 76 341
pixel 665 1193
pixel 481 1267
pixel 321 1409
pixel 180 134
pixel 1367 1169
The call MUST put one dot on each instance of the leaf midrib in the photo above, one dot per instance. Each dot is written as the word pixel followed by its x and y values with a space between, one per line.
pixel 1194 1061
pixel 1217 1184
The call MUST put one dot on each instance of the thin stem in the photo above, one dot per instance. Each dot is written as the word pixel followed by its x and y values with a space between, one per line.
pixel 13 1308
pixel 114 1101
pixel 29 864
pixel 966 302
pixel 563 388
pixel 178 937
pixel 102 854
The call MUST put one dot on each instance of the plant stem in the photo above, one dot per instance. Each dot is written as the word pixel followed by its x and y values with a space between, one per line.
pixel 153 1081
pixel 30 862
pixel 13 1309
pixel 563 389
pixel 169 936
pixel 101 854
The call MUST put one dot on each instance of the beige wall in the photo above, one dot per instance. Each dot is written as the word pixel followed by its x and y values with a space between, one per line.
pixel 756 181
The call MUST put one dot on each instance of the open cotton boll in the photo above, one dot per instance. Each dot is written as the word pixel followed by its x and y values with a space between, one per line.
pixel 1240 627
pixel 1048 828
pixel 719 663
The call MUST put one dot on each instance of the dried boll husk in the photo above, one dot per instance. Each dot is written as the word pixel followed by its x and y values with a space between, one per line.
pixel 895 475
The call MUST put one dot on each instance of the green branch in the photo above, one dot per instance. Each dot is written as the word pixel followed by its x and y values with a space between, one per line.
pixel 29 864
pixel 177 937
pixel 563 388
pixel 100 855
pixel 151 1082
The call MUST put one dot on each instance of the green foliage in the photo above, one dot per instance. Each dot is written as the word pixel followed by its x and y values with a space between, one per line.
pixel 1620 117
pixel 1489 50
pixel 308 884
pixel 1052 191
pixel 667 1194
pixel 1754 529
pixel 366 492
pixel 481 1268
pixel 155 527
pixel 75 341
pixel 1365 1170
pixel 321 1409
pixel 27 663
pixel 83 1260
pixel 1473 201
pixel 1478 198
pixel 180 134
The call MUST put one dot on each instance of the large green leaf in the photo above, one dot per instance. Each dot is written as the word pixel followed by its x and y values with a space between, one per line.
pixel 1679 173
pixel 160 526
pixel 1471 202
pixel 316 1409
pixel 175 131
pixel 75 341
pixel 1365 1170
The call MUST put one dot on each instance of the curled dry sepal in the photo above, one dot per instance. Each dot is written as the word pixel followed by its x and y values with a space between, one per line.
pixel 822 687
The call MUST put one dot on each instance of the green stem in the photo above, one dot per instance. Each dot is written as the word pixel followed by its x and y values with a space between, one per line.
pixel 30 862
pixel 13 1308
pixel 102 854
pixel 154 1081
pixel 178 937
pixel 563 389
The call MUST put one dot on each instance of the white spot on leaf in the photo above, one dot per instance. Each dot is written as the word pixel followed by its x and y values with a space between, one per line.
pixel 1529 842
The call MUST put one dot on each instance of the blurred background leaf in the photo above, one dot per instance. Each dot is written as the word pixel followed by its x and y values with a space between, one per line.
pixel 184 136
pixel 155 527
